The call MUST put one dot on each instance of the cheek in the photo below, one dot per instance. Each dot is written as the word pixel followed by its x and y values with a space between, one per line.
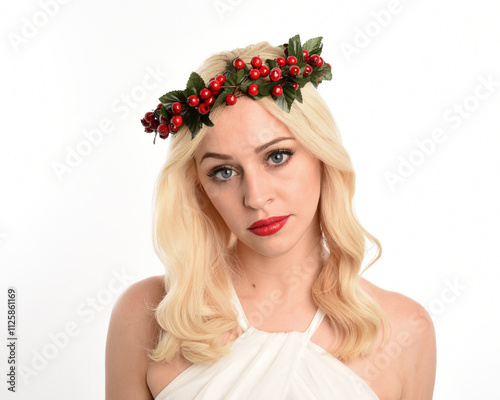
pixel 223 201
pixel 306 185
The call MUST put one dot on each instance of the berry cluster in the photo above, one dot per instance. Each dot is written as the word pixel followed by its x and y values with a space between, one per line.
pixel 282 78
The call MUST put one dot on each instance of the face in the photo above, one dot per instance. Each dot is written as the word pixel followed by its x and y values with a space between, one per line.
pixel 262 182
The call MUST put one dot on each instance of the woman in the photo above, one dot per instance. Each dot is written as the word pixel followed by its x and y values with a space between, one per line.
pixel 262 298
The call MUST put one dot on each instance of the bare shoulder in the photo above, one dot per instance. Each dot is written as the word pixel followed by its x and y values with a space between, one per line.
pixel 412 334
pixel 132 333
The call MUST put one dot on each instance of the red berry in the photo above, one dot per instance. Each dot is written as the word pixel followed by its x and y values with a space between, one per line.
pixel 294 70
pixel 264 71
pixel 296 86
pixel 221 79
pixel 159 106
pixel 176 108
pixel 172 128
pixel 150 117
pixel 210 101
pixel 193 100
pixel 163 120
pixel 176 120
pixel 204 108
pixel 281 61
pixel 145 123
pixel 164 135
pixel 214 86
pixel 314 59
pixel 308 70
pixel 277 91
pixel 162 129
pixel 254 74
pixel 320 62
pixel 329 66
pixel 239 64
pixel 230 99
pixel 205 93
pixel 154 124
pixel 291 60
pixel 275 74
pixel 253 89
pixel 148 130
pixel 256 62
pixel 306 54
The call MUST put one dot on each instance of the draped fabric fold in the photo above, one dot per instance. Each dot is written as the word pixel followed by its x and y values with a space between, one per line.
pixel 270 366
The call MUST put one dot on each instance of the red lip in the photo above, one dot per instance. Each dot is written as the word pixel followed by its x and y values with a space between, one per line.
pixel 269 226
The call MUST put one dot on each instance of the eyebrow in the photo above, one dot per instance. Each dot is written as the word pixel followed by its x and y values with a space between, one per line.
pixel 257 149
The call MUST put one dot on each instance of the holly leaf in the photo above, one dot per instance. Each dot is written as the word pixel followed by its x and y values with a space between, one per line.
pixel 271 63
pixel 289 94
pixel 173 97
pixel 194 84
pixel 286 99
pixel 298 95
pixel 206 120
pixel 318 72
pixel 164 113
pixel 235 78
pixel 222 97
pixel 295 48
pixel 314 46
pixel 192 120
pixel 265 89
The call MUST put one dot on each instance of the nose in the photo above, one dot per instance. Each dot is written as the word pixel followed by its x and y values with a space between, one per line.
pixel 257 189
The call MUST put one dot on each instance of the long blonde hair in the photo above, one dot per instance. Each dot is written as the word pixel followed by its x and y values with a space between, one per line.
pixel 192 240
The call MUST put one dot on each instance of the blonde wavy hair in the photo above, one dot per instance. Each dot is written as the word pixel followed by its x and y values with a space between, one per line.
pixel 191 239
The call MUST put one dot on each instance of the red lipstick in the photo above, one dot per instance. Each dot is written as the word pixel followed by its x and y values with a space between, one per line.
pixel 267 227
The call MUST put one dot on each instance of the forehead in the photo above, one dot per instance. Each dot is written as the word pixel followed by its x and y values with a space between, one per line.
pixel 246 125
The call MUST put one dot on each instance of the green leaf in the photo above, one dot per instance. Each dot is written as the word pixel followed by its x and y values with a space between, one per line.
pixel 298 95
pixel 265 89
pixel 174 96
pixel 222 97
pixel 235 78
pixel 206 120
pixel 295 48
pixel 192 120
pixel 324 70
pixel 302 81
pixel 271 63
pixel 195 84
pixel 289 93
pixel 163 112
pixel 314 46
pixel 281 101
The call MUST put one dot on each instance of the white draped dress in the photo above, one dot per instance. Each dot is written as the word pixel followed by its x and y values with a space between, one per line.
pixel 270 366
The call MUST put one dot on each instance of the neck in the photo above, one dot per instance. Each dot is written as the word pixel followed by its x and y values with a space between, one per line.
pixel 289 276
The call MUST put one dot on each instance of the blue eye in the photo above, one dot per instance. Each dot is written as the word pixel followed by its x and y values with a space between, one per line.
pixel 224 173
pixel 221 174
pixel 280 156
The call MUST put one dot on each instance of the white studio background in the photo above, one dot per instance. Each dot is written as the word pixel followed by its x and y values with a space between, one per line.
pixel 416 94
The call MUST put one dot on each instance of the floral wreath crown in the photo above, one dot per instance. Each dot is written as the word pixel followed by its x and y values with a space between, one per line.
pixel 282 78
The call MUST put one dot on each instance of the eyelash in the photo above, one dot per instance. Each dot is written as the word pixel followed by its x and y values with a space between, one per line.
pixel 212 174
